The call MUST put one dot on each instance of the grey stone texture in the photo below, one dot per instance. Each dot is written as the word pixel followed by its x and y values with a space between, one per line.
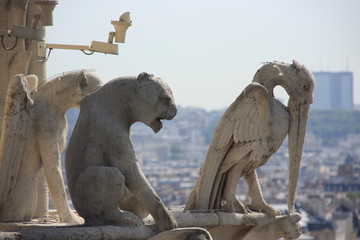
pixel 105 181
pixel 249 132
pixel 33 137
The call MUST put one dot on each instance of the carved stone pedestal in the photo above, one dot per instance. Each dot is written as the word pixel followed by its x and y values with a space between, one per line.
pixel 220 225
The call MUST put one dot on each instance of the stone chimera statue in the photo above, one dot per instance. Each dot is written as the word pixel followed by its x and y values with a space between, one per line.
pixel 249 132
pixel 33 136
pixel 105 181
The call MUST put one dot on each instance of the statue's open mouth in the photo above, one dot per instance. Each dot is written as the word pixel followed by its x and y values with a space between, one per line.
pixel 159 121
pixel 156 125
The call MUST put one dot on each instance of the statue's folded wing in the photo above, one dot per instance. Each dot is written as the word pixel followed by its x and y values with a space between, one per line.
pixel 244 120
pixel 16 134
pixel 247 119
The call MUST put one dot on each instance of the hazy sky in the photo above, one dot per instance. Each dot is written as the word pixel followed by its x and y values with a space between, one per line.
pixel 208 51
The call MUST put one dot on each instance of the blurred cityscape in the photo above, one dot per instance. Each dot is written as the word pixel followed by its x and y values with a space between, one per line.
pixel 329 184
pixel 328 194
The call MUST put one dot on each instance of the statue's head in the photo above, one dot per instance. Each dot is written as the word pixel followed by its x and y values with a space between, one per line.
pixel 69 88
pixel 144 98
pixel 82 81
pixel 155 101
pixel 85 83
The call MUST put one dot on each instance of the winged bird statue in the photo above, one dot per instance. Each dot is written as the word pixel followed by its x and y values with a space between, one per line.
pixel 249 132
pixel 33 137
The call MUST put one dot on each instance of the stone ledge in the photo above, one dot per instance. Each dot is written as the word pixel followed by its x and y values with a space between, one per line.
pixel 219 224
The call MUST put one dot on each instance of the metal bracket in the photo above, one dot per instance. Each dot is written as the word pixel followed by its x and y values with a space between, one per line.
pixel 107 48
pixel 27 32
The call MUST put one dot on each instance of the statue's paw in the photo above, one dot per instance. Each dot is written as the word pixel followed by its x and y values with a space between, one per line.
pixel 272 212
pixel 264 208
pixel 234 205
pixel 166 223
pixel 72 218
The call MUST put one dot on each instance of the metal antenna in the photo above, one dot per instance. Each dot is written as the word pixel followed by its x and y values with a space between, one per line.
pixel 321 61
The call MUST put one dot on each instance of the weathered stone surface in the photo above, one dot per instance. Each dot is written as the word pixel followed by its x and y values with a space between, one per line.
pixel 221 226
pixel 103 173
pixel 250 131
pixel 108 187
pixel 33 136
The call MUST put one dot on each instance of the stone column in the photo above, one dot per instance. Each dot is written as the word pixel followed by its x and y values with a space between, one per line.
pixel 37 67
pixel 17 59
pixel 22 59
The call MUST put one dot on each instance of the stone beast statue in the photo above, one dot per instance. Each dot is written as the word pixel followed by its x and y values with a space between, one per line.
pixel 104 176
pixel 249 132
pixel 33 136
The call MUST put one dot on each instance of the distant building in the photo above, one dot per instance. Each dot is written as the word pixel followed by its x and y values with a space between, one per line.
pixel 331 186
pixel 345 181
pixel 333 90
pixel 321 229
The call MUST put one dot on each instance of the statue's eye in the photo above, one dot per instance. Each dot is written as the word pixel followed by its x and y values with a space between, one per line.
pixel 165 99
pixel 305 87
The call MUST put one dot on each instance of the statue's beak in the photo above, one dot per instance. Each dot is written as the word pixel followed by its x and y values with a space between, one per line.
pixel 298 119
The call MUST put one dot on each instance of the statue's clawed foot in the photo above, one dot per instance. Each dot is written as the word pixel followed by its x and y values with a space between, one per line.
pixel 72 218
pixel 234 205
pixel 264 208
pixel 164 220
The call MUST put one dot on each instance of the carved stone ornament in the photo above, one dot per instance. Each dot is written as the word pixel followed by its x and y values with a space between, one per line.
pixel 33 136
pixel 107 186
pixel 249 132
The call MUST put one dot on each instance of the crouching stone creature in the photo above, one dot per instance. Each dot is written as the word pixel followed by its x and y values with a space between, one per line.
pixel 105 181
pixel 33 137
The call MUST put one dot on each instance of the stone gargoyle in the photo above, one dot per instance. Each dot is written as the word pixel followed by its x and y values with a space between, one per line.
pixel 249 132
pixel 33 137
pixel 105 181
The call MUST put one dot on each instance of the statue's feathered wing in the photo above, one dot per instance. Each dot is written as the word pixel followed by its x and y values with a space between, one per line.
pixel 246 121
pixel 16 136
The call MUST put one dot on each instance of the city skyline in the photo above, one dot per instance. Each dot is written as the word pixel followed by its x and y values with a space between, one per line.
pixel 209 51
pixel 334 91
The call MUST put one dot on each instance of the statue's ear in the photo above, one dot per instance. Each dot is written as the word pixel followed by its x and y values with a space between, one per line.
pixel 81 81
pixel 32 82
pixel 19 84
pixel 296 65
pixel 144 76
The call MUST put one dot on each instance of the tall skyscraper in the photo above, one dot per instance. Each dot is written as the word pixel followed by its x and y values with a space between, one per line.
pixel 333 90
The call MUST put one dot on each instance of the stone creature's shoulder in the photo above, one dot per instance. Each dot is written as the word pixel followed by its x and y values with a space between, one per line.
pixel 97 123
